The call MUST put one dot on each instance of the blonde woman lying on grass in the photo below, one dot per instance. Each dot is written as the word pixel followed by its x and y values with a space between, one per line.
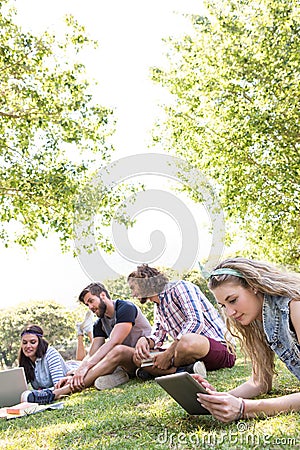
pixel 262 307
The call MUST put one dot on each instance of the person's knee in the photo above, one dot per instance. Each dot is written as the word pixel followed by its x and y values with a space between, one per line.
pixel 192 344
pixel 120 353
pixel 116 353
pixel 184 345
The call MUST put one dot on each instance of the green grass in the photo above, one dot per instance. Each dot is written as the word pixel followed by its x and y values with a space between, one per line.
pixel 141 415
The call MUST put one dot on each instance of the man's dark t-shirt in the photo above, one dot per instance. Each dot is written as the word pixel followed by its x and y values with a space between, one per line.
pixel 125 311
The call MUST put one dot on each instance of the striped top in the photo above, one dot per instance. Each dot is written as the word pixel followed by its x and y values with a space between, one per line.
pixel 183 309
pixel 50 369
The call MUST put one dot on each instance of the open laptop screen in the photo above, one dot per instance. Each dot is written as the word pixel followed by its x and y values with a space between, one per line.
pixel 12 384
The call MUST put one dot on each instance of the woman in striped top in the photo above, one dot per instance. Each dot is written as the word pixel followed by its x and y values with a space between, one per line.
pixel 43 365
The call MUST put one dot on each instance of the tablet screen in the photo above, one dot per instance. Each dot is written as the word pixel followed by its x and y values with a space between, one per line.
pixel 183 388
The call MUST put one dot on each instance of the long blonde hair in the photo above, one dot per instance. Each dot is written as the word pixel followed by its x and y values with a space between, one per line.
pixel 266 279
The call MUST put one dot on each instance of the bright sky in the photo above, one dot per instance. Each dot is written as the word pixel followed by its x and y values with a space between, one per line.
pixel 130 35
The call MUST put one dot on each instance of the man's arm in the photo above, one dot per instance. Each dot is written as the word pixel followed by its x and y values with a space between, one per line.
pixel 118 335
pixel 96 344
pixel 158 333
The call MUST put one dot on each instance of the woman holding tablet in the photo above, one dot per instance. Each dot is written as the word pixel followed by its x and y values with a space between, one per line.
pixel 262 306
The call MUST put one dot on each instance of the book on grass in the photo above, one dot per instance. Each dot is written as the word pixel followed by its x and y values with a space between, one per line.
pixel 22 408
pixel 25 409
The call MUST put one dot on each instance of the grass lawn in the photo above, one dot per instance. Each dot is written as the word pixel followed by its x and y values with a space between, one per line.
pixel 141 415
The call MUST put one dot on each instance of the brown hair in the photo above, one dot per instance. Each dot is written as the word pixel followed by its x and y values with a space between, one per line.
pixel 149 281
pixel 94 289
pixel 42 347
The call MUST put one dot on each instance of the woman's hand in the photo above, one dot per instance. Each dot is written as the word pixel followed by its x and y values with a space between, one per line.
pixel 222 406
pixel 203 382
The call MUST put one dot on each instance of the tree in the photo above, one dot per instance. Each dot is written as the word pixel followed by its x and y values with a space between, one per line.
pixel 235 115
pixel 58 324
pixel 51 131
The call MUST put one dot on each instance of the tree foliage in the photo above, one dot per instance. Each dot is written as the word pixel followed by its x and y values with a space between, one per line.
pixel 57 322
pixel 51 130
pixel 235 115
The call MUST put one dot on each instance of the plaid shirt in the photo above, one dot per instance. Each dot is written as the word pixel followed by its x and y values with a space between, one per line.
pixel 183 309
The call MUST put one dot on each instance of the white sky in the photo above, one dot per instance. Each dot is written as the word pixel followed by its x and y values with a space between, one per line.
pixel 130 35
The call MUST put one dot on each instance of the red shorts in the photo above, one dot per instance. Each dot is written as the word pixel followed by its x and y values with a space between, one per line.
pixel 218 356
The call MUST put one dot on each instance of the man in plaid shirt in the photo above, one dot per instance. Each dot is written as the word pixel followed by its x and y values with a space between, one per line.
pixel 200 339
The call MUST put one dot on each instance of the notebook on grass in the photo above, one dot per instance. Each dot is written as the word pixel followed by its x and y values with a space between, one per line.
pixel 12 384
pixel 183 388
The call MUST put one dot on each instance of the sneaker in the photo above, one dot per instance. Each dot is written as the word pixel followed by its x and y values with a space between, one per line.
pixel 87 325
pixel 119 376
pixel 143 375
pixel 42 397
pixel 197 367
pixel 200 369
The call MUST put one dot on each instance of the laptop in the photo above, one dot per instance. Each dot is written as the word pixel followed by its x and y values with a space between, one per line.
pixel 184 388
pixel 12 384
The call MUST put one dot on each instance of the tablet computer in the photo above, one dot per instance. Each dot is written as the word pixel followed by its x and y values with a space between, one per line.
pixel 184 388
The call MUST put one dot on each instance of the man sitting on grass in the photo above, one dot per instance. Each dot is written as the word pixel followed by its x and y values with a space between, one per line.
pixel 109 361
pixel 185 314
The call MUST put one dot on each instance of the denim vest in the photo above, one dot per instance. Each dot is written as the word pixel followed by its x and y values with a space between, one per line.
pixel 281 339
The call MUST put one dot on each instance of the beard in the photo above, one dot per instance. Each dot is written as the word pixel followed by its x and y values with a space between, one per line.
pixel 101 309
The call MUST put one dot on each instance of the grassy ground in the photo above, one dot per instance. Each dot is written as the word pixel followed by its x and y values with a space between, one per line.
pixel 141 415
